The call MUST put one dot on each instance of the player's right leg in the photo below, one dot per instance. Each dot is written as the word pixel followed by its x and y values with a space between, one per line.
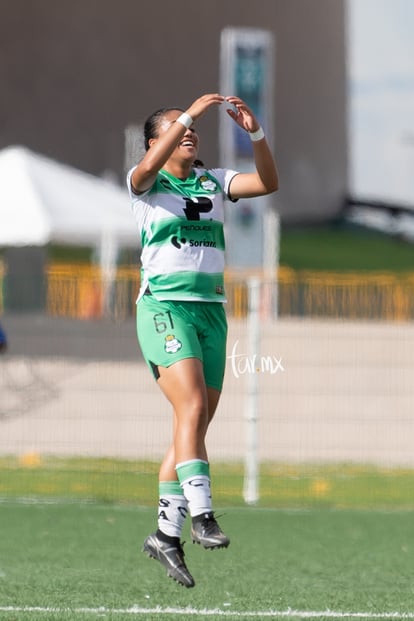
pixel 164 545
pixel 171 348
pixel 171 556
pixel 164 338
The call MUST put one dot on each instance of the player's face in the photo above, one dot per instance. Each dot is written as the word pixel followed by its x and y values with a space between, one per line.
pixel 187 148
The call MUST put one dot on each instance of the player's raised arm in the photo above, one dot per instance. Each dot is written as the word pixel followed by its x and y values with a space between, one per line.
pixel 265 179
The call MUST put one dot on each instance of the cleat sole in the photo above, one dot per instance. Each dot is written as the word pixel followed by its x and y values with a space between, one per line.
pixel 218 546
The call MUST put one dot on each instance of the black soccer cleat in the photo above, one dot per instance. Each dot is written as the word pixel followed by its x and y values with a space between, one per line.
pixel 171 556
pixel 206 531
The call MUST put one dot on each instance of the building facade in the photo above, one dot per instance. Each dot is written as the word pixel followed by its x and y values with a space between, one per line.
pixel 74 74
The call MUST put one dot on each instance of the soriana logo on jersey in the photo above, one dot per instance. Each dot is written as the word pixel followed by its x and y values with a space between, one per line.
pixel 193 243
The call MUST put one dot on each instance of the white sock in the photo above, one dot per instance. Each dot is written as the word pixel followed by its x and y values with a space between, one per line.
pixel 172 508
pixel 194 477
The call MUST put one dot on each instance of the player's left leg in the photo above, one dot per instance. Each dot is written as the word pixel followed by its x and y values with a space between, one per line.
pixel 184 386
pixel 173 506
pixel 212 326
pixel 204 527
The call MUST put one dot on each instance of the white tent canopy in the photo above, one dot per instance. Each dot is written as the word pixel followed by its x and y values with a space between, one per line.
pixel 42 201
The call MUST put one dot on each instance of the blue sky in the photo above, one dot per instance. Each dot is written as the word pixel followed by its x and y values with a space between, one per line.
pixel 381 105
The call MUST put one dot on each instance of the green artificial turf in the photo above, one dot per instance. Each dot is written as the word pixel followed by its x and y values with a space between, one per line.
pixel 83 561
pixel 322 538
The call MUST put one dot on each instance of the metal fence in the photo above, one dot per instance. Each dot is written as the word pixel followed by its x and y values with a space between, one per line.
pixel 84 292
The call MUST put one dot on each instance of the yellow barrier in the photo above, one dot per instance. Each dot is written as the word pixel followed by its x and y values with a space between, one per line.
pixel 79 291
pixel 74 291
pixel 369 295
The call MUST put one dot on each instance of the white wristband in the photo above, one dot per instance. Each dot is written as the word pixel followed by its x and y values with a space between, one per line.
pixel 185 119
pixel 257 135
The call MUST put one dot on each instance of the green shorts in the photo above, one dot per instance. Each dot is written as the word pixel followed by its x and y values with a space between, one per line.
pixel 170 330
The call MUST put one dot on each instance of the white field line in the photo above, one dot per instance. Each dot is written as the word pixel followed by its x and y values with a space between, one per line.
pixel 195 612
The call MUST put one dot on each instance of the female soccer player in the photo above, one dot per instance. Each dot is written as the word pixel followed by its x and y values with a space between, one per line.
pixel 181 325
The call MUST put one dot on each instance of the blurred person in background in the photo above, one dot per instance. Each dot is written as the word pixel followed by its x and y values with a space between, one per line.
pixel 179 206
pixel 3 340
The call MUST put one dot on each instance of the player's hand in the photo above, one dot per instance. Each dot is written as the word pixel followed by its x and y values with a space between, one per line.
pixel 203 103
pixel 241 114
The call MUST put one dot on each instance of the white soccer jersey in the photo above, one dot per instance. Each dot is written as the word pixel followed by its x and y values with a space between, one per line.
pixel 181 228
